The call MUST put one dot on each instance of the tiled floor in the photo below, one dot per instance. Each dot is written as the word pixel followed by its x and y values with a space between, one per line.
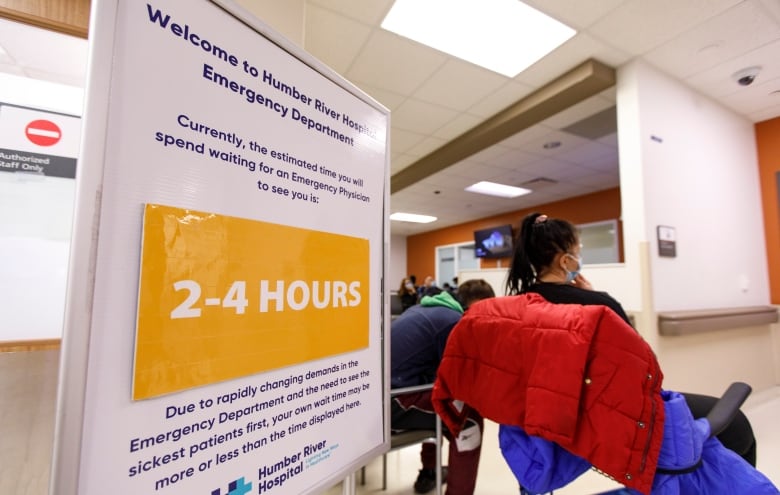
pixel 763 410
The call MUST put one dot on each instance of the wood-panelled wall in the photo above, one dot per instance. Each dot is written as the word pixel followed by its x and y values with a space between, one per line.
pixel 64 16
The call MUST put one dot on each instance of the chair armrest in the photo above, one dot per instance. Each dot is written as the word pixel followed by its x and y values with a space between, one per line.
pixel 410 390
pixel 724 411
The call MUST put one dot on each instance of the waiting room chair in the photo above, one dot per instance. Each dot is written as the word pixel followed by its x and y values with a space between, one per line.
pixel 396 307
pixel 406 438
pixel 719 417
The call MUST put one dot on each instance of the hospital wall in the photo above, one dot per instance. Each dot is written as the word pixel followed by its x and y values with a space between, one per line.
pixel 421 248
pixel 768 142
pixel 691 163
pixel 688 162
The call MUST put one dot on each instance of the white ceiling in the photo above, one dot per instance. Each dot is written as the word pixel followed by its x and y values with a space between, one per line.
pixel 435 97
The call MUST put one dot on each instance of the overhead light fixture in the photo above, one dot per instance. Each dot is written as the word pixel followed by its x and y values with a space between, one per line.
pixel 494 189
pixel 412 217
pixel 505 36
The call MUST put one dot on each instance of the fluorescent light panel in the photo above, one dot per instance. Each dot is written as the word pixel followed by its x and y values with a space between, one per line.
pixel 412 217
pixel 505 36
pixel 494 189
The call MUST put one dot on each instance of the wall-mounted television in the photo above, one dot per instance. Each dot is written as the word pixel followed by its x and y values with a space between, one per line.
pixel 495 242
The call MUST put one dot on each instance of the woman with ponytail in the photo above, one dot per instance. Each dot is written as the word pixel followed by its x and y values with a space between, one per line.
pixel 547 261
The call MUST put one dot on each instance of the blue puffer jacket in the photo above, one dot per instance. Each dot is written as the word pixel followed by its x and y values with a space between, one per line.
pixel 541 466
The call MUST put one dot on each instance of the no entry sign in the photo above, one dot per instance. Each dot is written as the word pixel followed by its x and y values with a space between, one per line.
pixel 43 132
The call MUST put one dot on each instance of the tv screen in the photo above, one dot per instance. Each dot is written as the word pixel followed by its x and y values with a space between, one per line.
pixel 495 242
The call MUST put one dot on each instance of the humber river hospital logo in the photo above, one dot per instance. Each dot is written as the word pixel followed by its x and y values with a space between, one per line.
pixel 235 487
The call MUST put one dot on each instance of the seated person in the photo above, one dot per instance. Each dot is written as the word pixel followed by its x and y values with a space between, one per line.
pixel 571 384
pixel 417 340
pixel 429 284
pixel 547 261
pixel 408 294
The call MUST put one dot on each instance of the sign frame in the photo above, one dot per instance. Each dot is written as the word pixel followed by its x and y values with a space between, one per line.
pixel 68 465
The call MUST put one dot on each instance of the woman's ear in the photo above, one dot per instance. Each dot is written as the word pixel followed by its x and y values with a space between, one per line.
pixel 562 261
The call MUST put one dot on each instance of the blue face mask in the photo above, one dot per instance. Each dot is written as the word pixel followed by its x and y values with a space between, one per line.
pixel 570 276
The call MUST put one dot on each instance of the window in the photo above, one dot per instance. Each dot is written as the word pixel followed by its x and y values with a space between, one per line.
pixel 450 260
pixel 599 242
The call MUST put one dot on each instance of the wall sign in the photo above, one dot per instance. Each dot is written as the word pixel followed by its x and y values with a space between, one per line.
pixel 36 200
pixel 667 241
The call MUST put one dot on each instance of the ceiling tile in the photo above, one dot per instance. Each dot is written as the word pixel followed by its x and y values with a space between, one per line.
pixel 572 53
pixel 575 13
pixel 393 63
pixel 488 154
pixel 334 39
pixel 737 30
pixel 469 169
pixel 513 177
pixel 459 85
pixel 402 140
pixel 756 97
pixel 638 26
pixel 514 159
pixel 568 142
pixel 400 161
pixel 591 151
pixel 598 180
pixel 772 8
pixel 457 126
pixel 718 82
pixel 372 12
pixel 501 98
pixel 435 98
pixel 578 112
pixel 610 140
pixel 422 117
pixel 767 113
pixel 526 136
pixel 426 146
pixel 387 98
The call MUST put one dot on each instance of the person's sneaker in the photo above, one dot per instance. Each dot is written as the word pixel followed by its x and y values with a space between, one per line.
pixel 426 480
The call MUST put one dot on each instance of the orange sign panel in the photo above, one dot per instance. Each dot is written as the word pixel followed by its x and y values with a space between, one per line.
pixel 224 297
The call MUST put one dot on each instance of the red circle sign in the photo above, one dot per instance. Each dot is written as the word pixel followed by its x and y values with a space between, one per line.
pixel 43 132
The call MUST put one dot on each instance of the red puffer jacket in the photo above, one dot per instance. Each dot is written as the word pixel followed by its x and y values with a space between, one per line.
pixel 576 375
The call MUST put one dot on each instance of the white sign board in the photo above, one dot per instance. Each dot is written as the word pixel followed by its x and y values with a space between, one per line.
pixel 234 205
pixel 38 152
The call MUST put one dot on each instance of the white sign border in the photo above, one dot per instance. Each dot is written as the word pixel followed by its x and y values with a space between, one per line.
pixel 74 355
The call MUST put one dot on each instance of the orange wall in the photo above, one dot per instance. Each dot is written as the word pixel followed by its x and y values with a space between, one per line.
pixel 421 248
pixel 768 141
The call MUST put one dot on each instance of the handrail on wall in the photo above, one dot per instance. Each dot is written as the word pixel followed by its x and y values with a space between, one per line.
pixel 672 323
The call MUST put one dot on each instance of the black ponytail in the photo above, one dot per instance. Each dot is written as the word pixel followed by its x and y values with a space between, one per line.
pixel 538 241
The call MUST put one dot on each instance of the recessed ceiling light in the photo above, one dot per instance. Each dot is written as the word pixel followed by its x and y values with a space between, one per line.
pixel 412 217
pixel 494 189
pixel 551 145
pixel 505 36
